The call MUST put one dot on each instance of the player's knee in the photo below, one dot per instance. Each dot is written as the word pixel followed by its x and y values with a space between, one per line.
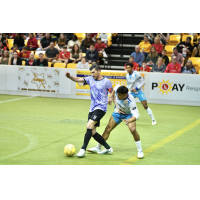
pixel 133 130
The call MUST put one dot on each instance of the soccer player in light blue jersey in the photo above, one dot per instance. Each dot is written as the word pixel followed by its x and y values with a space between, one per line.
pixel 125 110
pixel 99 88
pixel 134 83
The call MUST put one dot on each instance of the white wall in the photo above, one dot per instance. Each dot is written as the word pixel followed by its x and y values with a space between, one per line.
pixel 182 89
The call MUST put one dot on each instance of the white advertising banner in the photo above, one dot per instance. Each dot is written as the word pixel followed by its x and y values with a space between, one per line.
pixel 38 79
pixel 181 87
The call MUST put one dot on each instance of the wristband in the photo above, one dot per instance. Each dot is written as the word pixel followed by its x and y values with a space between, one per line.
pixel 136 88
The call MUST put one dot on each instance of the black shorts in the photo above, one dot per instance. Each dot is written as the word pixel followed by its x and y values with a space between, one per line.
pixel 96 115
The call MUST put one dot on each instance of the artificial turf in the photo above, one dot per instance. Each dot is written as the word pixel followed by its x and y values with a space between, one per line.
pixel 34 131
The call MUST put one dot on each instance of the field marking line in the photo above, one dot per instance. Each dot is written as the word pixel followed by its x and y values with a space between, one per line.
pixel 15 99
pixel 159 144
pixel 32 144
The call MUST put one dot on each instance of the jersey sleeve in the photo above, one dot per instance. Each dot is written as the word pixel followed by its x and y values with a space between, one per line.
pixel 141 80
pixel 109 86
pixel 87 80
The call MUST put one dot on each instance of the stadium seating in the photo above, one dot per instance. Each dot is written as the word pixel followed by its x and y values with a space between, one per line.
pixel 23 63
pixel 169 50
pixel 10 43
pixel 174 39
pixel 72 65
pixel 80 36
pixel 196 63
pixel 59 65
pixel 49 64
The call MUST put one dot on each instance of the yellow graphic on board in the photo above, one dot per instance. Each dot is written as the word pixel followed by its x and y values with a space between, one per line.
pixel 39 80
pixel 165 86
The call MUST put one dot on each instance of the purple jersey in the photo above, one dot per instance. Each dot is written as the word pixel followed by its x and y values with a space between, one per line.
pixel 99 92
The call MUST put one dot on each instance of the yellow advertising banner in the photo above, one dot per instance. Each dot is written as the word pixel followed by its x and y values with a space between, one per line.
pixel 114 77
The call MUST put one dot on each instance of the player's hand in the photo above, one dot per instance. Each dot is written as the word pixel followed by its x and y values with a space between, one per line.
pixel 110 101
pixel 120 111
pixel 126 121
pixel 133 90
pixel 67 74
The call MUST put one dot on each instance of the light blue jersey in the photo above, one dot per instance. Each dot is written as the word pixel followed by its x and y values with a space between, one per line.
pixel 99 92
pixel 136 81
pixel 128 106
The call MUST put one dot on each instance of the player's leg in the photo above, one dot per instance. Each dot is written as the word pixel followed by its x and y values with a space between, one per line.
pixel 111 125
pixel 132 128
pixel 149 111
pixel 91 131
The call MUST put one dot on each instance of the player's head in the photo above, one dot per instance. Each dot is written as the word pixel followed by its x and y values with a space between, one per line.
pixel 129 68
pixel 122 92
pixel 95 71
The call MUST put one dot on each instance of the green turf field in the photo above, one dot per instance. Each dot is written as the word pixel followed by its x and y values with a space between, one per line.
pixel 34 131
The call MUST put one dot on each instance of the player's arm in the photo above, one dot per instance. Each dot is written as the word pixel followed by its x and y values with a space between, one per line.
pixel 117 108
pixel 142 83
pixel 110 99
pixel 130 120
pixel 75 79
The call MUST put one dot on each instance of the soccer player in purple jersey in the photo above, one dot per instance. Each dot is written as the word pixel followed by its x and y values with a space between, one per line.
pixel 99 88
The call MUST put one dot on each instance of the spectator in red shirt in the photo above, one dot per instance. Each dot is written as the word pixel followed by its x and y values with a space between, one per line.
pixel 24 55
pixel 100 47
pixel 135 65
pixel 32 42
pixel 145 67
pixel 173 67
pixel 64 56
pixel 158 46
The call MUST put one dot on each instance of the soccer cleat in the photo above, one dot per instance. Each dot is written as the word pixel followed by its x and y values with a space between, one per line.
pixel 81 153
pixel 140 154
pixel 94 150
pixel 154 122
pixel 105 151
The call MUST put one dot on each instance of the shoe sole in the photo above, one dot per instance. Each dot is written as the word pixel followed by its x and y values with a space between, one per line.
pixel 80 156
pixel 140 157
pixel 92 151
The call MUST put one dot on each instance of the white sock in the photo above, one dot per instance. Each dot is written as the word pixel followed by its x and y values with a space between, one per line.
pixel 99 146
pixel 150 113
pixel 138 145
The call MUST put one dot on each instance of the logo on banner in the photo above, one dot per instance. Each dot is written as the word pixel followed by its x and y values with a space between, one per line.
pixel 39 80
pixel 166 86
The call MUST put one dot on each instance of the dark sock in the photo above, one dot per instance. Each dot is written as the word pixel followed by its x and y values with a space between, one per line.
pixel 87 138
pixel 100 140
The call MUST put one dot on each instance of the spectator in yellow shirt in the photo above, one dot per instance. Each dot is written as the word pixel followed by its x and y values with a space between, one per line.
pixel 145 46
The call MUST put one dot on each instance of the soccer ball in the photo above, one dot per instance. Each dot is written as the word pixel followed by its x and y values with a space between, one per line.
pixel 69 150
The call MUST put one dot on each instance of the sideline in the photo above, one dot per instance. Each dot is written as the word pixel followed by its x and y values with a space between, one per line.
pixel 16 99
pixel 159 144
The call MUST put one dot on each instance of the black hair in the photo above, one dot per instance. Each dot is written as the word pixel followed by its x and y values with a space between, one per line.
pixel 189 38
pixel 164 50
pixel 144 61
pixel 129 64
pixel 122 90
pixel 198 39
pixel 92 45
pixel 132 57
pixel 96 67
pixel 175 48
pixel 75 37
pixel 98 38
